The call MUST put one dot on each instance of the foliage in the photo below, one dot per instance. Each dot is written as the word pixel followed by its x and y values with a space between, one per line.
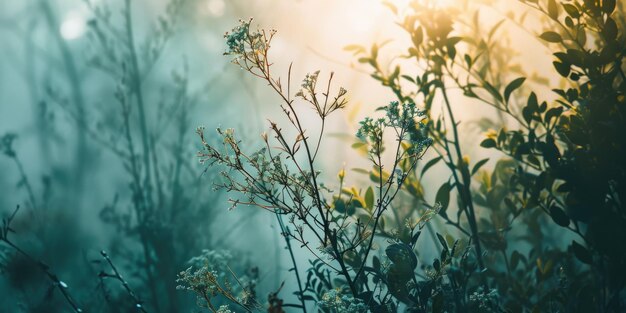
pixel 562 160
pixel 533 227
pixel 140 200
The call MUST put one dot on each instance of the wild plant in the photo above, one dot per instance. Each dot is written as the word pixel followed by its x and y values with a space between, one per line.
pixel 284 179
pixel 159 220
pixel 57 283
pixel 163 207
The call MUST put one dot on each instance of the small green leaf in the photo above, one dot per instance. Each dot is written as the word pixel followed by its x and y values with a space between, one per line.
pixel 340 206
pixel 608 6
pixel 443 242
pixel 358 145
pixel 551 36
pixel 582 253
pixel 558 216
pixel 402 255
pixel 369 198
pixel 354 48
pixel 527 114
pixel 552 113
pixel 610 29
pixel 493 91
pixel 488 143
pixel 478 165
pixel 443 196
pixel 562 68
pixel 430 164
pixel 417 37
pixel 515 258
pixel 437 265
pixel 553 9
pixel 468 61
pixel 512 86
pixel 571 10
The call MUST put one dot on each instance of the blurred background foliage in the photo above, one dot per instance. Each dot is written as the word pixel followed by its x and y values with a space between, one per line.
pixel 100 100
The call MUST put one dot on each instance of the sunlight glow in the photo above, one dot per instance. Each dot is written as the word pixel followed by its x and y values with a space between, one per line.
pixel 437 4
pixel 356 16
pixel 73 26
pixel 441 3
pixel 216 7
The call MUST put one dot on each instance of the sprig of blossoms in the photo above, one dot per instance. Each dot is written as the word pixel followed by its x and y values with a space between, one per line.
pixel 242 43
pixel 340 303
pixel 209 276
pixel 404 119
pixel 485 301
pixel 205 272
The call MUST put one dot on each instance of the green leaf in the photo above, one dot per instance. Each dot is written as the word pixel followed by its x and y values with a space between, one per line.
pixel 533 103
pixel 478 165
pixel 527 114
pixel 409 78
pixel 443 196
pixel 610 29
pixel 417 36
pixel 354 48
pixel 361 171
pixel 553 10
pixel 515 258
pixel 468 61
pixel 358 145
pixel 369 198
pixel 493 91
pixel 512 86
pixel 552 113
pixel 562 68
pixel 442 241
pixel 571 10
pixel 402 255
pixel 582 253
pixel 551 36
pixel 340 206
pixel 558 216
pixel 488 143
pixel 608 6
pixel 430 164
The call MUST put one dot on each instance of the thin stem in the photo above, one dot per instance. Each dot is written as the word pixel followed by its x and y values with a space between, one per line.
pixel 464 190
pixel 285 231
pixel 62 286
